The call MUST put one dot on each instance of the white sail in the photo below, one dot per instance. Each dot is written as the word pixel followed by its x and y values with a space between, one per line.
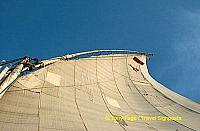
pixel 85 94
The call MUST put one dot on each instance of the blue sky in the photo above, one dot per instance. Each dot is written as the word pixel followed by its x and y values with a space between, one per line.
pixel 169 29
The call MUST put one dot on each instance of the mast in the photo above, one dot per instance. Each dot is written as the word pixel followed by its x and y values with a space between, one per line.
pixel 3 73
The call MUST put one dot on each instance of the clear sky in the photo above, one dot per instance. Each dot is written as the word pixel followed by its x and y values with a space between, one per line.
pixel 168 28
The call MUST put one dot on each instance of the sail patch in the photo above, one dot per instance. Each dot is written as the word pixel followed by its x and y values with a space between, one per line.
pixel 53 78
pixel 30 81
pixel 112 102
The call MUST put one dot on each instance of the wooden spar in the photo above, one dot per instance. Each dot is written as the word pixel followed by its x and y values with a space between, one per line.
pixel 13 76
